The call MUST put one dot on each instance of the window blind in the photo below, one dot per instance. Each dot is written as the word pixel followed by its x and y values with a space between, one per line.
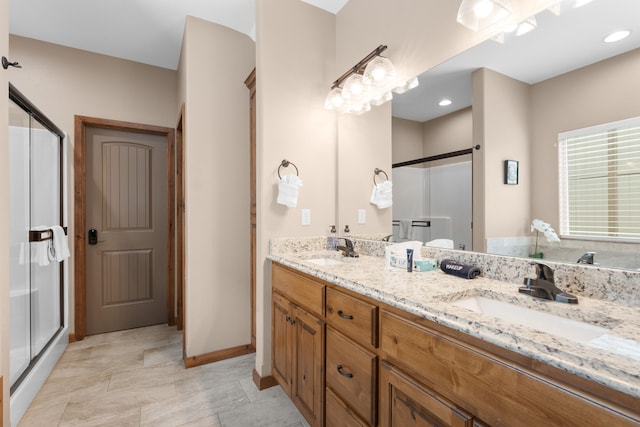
pixel 600 181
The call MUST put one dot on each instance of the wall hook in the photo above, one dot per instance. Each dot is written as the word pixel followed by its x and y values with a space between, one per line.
pixel 6 64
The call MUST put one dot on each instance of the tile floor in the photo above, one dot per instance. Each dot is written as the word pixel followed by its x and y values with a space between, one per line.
pixel 137 378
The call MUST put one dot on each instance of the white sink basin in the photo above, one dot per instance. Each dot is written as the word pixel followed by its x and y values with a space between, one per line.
pixel 556 325
pixel 324 261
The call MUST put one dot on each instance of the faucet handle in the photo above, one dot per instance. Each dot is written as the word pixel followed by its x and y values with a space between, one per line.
pixel 543 271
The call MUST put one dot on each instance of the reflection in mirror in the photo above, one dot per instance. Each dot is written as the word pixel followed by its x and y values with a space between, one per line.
pixel 574 80
pixel 432 200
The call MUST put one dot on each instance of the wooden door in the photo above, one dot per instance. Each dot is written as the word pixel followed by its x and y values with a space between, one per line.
pixel 126 199
pixel 282 345
pixel 251 84
pixel 405 403
pixel 308 366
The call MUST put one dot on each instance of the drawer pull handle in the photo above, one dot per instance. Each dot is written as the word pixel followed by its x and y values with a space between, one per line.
pixel 344 374
pixel 344 316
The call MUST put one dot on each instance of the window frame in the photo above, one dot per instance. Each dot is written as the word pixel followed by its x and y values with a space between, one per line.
pixel 563 181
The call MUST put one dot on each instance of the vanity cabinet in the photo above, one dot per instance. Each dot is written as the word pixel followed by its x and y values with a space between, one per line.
pixel 348 360
pixel 298 342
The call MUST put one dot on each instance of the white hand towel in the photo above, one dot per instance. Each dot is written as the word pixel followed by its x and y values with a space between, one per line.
pixel 40 250
pixel 288 189
pixel 382 195
pixel 60 245
pixel 405 228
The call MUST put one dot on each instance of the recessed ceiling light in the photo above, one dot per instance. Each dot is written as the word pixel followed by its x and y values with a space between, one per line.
pixel 444 102
pixel 617 36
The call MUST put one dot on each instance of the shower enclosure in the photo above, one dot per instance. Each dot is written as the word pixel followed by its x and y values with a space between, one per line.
pixel 37 312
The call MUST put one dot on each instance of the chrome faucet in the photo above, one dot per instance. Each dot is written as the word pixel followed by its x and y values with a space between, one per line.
pixel 587 258
pixel 543 286
pixel 347 249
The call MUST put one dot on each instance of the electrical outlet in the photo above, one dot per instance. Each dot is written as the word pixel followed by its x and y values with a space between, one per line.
pixel 362 216
pixel 306 216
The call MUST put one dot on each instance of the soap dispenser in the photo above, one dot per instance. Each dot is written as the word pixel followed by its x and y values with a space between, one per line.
pixel 332 239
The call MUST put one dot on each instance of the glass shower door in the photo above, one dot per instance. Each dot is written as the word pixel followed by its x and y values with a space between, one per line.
pixel 19 253
pixel 45 211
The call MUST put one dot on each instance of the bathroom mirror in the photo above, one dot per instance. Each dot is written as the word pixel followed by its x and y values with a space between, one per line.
pixel 561 45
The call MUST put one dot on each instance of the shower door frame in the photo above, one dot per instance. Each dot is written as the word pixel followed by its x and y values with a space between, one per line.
pixel 21 101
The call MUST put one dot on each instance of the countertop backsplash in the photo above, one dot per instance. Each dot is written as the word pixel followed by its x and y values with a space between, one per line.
pixel 615 285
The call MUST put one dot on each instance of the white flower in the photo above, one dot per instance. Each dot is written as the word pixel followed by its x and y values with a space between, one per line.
pixel 546 229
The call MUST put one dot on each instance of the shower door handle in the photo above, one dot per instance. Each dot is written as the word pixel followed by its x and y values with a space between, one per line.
pixel 93 236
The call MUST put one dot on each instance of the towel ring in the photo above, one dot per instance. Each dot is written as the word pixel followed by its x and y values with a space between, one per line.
pixel 285 164
pixel 377 171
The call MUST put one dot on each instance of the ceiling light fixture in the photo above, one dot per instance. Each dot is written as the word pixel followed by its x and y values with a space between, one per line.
pixel 617 36
pixel 481 14
pixel 445 102
pixel 369 82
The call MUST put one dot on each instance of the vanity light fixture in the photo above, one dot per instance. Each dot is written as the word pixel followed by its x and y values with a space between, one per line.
pixel 526 26
pixel 580 3
pixel 617 36
pixel 480 14
pixel 369 82
pixel 445 102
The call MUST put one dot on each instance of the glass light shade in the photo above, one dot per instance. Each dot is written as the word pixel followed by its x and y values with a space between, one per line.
pixel 527 26
pixel 480 14
pixel 334 99
pixel 360 108
pixel 580 3
pixel 408 85
pixel 381 98
pixel 353 87
pixel 380 69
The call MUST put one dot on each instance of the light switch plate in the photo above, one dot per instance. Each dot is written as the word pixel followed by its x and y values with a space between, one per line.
pixel 362 216
pixel 306 216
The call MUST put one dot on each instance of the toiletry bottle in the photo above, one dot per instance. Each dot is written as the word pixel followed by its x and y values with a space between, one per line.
pixel 347 232
pixel 332 241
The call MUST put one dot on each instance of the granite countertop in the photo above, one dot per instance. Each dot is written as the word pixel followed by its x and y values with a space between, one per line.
pixel 612 359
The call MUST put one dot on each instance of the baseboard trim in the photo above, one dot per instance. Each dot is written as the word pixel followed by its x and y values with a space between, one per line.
pixel 263 382
pixel 216 356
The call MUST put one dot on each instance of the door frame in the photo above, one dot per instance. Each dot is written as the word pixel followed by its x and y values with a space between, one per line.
pixel 80 220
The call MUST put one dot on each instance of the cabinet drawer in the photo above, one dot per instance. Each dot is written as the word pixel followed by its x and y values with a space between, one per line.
pixel 297 288
pixel 339 414
pixel 355 318
pixel 352 374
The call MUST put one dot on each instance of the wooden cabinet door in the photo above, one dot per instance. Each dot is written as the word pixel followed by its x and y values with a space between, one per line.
pixel 308 366
pixel 405 403
pixel 282 345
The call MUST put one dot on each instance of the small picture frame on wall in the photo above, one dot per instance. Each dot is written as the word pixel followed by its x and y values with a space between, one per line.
pixel 511 172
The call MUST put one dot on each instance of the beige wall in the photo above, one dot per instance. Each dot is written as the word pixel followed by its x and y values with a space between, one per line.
pixel 294 57
pixel 407 140
pixel 63 82
pixel 4 210
pixel 502 105
pixel 445 134
pixel 356 165
pixel 215 62
pixel 597 94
